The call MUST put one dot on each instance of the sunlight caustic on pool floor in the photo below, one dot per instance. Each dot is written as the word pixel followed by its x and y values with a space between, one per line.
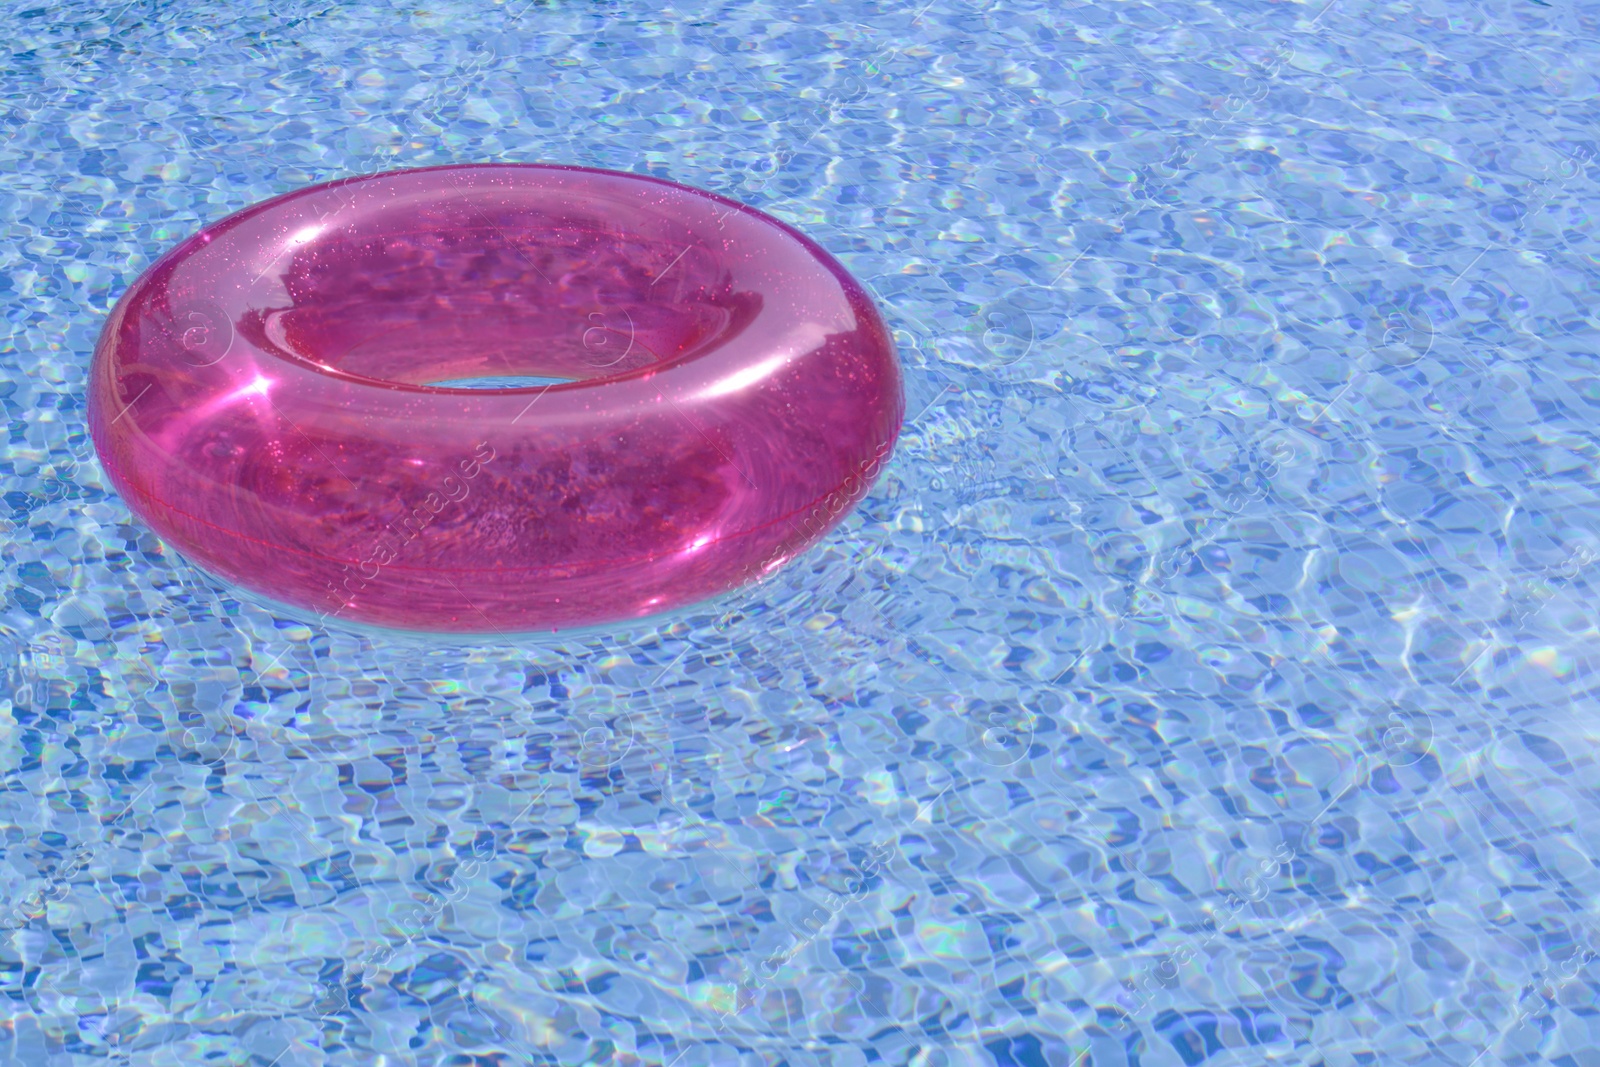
pixel 1206 679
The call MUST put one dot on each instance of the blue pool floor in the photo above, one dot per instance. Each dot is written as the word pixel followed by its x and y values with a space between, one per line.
pixel 1206 681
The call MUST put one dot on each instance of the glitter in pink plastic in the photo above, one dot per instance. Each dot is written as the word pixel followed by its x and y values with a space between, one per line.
pixel 261 397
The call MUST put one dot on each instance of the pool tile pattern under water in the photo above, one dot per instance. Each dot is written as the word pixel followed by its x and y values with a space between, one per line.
pixel 1206 681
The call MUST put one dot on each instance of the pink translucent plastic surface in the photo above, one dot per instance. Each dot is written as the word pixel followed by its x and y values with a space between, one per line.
pixel 261 397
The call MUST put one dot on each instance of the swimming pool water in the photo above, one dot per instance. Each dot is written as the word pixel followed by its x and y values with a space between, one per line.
pixel 1209 679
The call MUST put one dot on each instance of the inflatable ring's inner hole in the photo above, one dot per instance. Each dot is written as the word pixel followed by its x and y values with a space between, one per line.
pixel 473 295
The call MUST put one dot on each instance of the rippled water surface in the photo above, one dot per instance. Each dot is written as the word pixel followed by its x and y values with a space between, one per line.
pixel 1209 678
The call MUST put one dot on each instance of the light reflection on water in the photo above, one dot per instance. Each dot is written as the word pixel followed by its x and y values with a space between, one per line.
pixel 1206 679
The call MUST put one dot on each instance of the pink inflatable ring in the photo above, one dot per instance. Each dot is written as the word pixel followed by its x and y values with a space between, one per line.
pixel 261 397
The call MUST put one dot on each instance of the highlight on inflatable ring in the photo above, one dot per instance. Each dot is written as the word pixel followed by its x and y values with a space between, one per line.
pixel 284 397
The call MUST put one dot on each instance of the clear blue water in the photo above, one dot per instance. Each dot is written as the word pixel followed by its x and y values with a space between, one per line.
pixel 1208 680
